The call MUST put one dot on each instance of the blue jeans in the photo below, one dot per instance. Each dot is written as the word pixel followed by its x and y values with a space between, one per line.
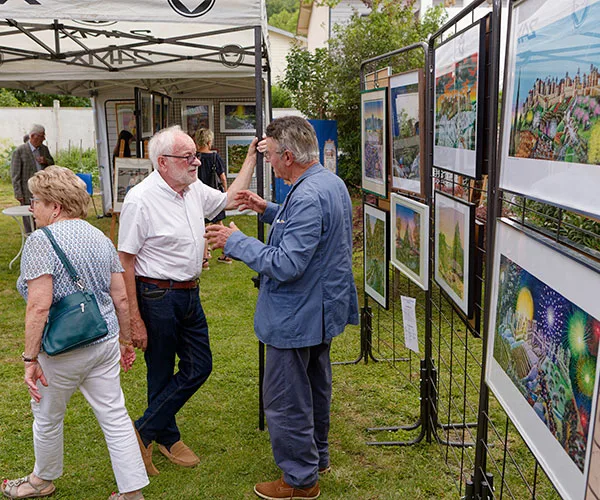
pixel 176 325
pixel 297 398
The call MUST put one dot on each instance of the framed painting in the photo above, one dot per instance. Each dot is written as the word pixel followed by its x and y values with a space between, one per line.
pixel 406 141
pixel 409 238
pixel 376 257
pixel 166 111
pixel 157 112
pixel 459 93
pixel 236 151
pixel 128 173
pixel 196 115
pixel 374 141
pixel 238 117
pixel 454 265
pixel 544 328
pixel 146 119
pixel 550 142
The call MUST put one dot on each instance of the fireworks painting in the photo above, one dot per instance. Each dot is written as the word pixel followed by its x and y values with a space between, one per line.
pixel 459 86
pixel 373 134
pixel 409 238
pixel 405 112
pixel 544 332
pixel 551 125
pixel 375 254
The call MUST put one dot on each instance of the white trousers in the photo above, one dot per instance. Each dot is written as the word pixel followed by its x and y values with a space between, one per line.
pixel 95 370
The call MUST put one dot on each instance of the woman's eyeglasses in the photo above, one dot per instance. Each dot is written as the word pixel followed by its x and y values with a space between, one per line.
pixel 33 201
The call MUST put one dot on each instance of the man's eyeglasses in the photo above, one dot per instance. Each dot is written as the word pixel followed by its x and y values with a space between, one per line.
pixel 189 158
pixel 268 155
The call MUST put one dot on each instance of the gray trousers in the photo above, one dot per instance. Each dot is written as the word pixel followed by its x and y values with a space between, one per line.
pixel 297 400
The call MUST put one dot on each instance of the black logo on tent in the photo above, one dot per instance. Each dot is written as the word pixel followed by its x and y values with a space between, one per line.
pixel 202 7
pixel 30 2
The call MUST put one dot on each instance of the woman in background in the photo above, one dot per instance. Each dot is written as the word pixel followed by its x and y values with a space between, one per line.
pixel 60 201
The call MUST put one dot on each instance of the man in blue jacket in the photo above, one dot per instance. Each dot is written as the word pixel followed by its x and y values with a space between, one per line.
pixel 307 296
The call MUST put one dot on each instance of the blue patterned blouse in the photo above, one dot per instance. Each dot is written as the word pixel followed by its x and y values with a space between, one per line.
pixel 92 254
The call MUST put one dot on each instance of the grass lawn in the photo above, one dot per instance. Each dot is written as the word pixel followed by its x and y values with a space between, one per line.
pixel 221 421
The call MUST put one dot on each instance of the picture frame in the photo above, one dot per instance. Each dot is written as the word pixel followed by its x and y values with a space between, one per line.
pixel 459 101
pixel 196 115
pixel 407 144
pixel 128 173
pixel 157 113
pixel 373 119
pixel 454 265
pixel 541 364
pixel 409 238
pixel 376 254
pixel 236 149
pixel 238 117
pixel 167 102
pixel 551 105
pixel 146 118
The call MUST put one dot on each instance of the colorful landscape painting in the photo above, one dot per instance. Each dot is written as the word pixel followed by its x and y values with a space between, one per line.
pixel 548 347
pixel 406 144
pixel 456 104
pixel 238 117
pixel 373 126
pixel 555 112
pixel 407 244
pixel 195 117
pixel 450 231
pixel 237 149
pixel 375 254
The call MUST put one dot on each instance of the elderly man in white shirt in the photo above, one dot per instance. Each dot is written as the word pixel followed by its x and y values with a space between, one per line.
pixel 161 246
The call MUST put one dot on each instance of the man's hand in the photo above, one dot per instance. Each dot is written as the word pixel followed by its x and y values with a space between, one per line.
pixel 33 373
pixel 42 160
pixel 217 235
pixel 127 356
pixel 247 200
pixel 139 335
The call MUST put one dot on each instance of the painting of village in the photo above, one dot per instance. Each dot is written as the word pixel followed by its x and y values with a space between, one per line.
pixel 375 231
pixel 409 244
pixel 406 144
pixel 237 149
pixel 453 220
pixel 373 141
pixel 548 347
pixel 555 111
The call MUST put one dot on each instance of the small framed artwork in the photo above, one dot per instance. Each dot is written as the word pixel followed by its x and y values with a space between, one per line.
pixel 542 353
pixel 410 238
pixel 128 173
pixel 146 120
pixel 551 104
pixel 196 115
pixel 238 117
pixel 375 225
pixel 157 113
pixel 236 151
pixel 374 141
pixel 459 97
pixel 454 265
pixel 406 141
pixel 166 111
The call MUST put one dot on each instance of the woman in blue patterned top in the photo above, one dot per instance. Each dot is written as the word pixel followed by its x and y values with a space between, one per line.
pixel 60 201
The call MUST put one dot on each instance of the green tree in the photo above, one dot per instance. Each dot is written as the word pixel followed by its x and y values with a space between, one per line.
pixel 281 97
pixel 16 97
pixel 327 84
pixel 8 99
pixel 283 14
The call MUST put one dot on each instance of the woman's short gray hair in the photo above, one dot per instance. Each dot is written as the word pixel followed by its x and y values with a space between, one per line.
pixel 296 135
pixel 204 136
pixel 162 143
pixel 60 185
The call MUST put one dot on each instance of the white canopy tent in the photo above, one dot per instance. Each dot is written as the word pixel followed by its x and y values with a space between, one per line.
pixel 209 50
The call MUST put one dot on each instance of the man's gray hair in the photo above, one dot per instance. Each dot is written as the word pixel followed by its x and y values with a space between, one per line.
pixel 163 142
pixel 36 128
pixel 296 135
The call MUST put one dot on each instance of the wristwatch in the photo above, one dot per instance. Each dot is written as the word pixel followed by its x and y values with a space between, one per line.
pixel 28 359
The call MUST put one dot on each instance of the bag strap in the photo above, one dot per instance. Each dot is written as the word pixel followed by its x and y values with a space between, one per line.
pixel 63 258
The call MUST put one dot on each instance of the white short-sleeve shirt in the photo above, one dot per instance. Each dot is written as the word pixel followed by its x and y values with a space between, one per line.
pixel 165 230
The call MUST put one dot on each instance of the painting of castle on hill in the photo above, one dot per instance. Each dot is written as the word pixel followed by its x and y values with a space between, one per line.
pixel 551 130
pixel 548 347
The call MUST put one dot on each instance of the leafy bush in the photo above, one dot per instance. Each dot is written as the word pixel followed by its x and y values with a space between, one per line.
pixel 6 151
pixel 79 161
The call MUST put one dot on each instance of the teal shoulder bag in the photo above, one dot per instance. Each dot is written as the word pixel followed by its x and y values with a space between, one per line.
pixel 75 320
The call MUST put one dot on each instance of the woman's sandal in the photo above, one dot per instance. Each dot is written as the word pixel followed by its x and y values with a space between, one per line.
pixel 205 265
pixel 122 496
pixel 10 488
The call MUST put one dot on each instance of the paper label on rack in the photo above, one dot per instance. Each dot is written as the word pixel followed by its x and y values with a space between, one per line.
pixel 409 319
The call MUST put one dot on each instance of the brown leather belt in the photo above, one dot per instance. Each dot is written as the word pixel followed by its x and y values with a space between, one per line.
pixel 175 285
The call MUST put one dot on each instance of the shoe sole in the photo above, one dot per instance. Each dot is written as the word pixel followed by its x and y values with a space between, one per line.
pixel 174 459
pixel 267 497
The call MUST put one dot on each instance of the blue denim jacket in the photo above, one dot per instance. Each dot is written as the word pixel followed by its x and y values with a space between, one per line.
pixel 307 292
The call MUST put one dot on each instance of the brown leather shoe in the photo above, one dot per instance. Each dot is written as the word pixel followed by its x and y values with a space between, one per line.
pixel 151 470
pixel 280 489
pixel 325 470
pixel 180 454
